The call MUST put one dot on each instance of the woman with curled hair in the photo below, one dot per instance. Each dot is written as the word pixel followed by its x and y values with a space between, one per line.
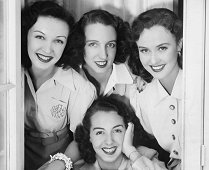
pixel 158 37
pixel 99 47
pixel 107 138
pixel 56 96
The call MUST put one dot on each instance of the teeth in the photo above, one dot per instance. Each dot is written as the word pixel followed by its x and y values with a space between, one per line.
pixel 157 67
pixel 109 150
pixel 101 63
pixel 44 57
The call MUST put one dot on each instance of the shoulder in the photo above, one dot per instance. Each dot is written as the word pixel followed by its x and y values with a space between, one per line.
pixel 83 166
pixel 72 79
pixel 122 74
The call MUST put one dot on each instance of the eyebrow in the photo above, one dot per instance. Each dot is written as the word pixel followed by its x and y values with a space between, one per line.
pixel 157 45
pixel 59 36
pixel 98 41
pixel 99 128
pixel 163 44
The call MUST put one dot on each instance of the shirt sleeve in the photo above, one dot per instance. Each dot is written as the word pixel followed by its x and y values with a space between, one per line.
pixel 81 99
pixel 143 163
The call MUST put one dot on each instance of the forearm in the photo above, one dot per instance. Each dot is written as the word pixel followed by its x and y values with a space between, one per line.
pixel 72 152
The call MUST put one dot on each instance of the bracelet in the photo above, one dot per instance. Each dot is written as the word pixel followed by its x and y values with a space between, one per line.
pixel 62 157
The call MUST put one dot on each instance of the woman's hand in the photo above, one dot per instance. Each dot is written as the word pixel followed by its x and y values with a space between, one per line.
pixel 140 83
pixel 128 140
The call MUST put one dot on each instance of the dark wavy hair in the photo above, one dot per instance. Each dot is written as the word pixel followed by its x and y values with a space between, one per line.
pixel 78 39
pixel 157 16
pixel 29 16
pixel 111 103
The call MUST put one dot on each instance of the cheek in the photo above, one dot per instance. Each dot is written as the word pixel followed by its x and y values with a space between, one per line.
pixel 89 54
pixel 172 56
pixel 111 54
pixel 144 59
pixel 59 49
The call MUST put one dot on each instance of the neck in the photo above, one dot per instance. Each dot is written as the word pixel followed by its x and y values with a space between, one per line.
pixel 169 81
pixel 110 165
pixel 40 76
pixel 101 78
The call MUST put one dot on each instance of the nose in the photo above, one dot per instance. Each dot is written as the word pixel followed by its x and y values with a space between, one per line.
pixel 109 139
pixel 47 47
pixel 153 58
pixel 103 53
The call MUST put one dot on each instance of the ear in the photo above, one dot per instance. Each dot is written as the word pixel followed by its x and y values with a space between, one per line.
pixel 180 45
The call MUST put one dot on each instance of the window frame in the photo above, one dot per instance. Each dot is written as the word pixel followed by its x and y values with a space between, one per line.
pixel 194 81
pixel 13 87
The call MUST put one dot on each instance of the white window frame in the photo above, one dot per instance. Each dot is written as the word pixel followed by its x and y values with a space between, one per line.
pixel 14 108
pixel 193 113
pixel 194 80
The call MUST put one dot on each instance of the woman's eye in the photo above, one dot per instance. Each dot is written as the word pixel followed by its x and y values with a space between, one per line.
pixel 111 45
pixel 143 50
pixel 99 133
pixel 92 44
pixel 60 41
pixel 39 37
pixel 118 131
pixel 163 48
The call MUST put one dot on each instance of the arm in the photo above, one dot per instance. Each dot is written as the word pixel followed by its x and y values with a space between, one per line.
pixel 71 152
pixel 138 160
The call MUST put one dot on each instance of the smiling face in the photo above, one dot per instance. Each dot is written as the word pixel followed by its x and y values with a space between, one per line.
pixel 106 135
pixel 158 52
pixel 47 39
pixel 100 48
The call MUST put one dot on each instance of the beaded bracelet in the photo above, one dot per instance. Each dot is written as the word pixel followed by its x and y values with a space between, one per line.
pixel 62 157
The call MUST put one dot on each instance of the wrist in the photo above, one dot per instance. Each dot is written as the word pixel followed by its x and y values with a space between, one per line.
pixel 134 155
pixel 130 150
pixel 62 160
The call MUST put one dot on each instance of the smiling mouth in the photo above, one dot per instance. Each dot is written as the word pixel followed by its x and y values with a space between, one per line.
pixel 109 151
pixel 157 68
pixel 101 64
pixel 44 58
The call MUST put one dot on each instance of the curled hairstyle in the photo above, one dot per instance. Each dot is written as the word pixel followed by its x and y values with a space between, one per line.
pixel 29 16
pixel 112 103
pixel 157 16
pixel 78 39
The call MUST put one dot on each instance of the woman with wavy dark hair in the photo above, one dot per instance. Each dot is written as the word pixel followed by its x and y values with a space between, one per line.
pixel 99 47
pixel 56 96
pixel 158 35
pixel 107 138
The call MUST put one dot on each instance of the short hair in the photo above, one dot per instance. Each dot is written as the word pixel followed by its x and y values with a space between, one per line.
pixel 29 16
pixel 112 103
pixel 78 39
pixel 157 16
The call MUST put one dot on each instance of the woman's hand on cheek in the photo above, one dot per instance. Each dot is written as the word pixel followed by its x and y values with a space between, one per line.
pixel 128 140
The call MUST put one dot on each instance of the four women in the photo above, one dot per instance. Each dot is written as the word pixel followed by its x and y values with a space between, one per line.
pixel 56 96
